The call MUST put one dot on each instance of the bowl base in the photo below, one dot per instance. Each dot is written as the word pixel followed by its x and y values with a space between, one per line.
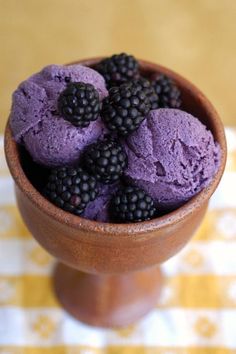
pixel 107 300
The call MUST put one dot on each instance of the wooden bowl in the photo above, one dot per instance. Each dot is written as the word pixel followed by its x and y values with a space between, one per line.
pixel 108 274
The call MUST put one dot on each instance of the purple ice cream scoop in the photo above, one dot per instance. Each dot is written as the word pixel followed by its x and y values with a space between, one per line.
pixel 172 156
pixel 98 210
pixel 36 123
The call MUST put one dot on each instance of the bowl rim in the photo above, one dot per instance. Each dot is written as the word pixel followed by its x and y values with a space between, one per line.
pixel 122 230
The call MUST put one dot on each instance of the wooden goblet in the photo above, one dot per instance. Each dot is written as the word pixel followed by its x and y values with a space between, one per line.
pixel 108 274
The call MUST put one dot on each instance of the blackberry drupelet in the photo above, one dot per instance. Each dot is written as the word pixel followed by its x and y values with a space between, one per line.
pixel 71 189
pixel 132 204
pixel 79 104
pixel 118 68
pixel 148 90
pixel 169 95
pixel 125 108
pixel 105 160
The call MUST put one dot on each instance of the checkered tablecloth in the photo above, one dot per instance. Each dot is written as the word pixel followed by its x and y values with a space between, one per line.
pixel 196 313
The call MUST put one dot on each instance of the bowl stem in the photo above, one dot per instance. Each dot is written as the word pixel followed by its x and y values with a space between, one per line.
pixel 107 300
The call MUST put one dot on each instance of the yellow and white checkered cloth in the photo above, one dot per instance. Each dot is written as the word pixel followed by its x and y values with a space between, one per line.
pixel 196 314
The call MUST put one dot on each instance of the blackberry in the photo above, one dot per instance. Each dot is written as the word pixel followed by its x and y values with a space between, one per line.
pixel 167 91
pixel 105 160
pixel 125 108
pixel 71 188
pixel 79 104
pixel 148 90
pixel 118 68
pixel 132 204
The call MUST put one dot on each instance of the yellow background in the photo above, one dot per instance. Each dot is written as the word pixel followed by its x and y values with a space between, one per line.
pixel 197 38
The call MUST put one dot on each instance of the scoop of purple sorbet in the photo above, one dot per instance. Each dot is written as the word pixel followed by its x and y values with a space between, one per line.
pixel 98 210
pixel 172 156
pixel 36 123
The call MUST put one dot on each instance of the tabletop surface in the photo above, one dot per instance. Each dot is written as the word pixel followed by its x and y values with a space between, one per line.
pixel 196 313
pixel 194 38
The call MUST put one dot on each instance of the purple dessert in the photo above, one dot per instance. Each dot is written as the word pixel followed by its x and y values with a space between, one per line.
pixel 111 157
pixel 98 210
pixel 172 156
pixel 35 122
